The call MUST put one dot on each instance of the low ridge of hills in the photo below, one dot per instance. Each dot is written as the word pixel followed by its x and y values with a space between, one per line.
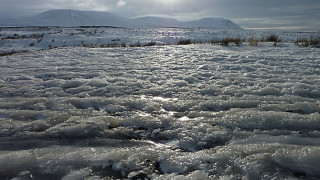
pixel 74 18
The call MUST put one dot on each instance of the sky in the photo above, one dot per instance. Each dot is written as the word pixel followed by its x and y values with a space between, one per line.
pixel 250 14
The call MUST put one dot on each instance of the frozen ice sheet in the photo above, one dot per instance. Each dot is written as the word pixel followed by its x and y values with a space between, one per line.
pixel 167 112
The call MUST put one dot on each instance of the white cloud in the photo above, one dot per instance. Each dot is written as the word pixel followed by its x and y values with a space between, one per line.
pixel 121 3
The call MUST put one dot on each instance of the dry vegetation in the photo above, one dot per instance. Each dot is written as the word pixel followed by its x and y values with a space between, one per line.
pixel 304 42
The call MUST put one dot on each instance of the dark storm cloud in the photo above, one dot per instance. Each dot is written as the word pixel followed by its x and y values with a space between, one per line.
pixel 248 13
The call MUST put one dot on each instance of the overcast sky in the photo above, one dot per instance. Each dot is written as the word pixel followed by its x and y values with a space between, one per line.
pixel 279 14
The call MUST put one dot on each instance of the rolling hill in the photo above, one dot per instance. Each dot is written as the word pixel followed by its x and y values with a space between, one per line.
pixel 74 18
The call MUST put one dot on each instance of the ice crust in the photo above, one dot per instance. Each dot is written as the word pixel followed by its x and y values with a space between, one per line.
pixel 168 112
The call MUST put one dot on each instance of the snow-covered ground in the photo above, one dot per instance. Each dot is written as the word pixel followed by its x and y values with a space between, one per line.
pixel 197 111
pixel 21 39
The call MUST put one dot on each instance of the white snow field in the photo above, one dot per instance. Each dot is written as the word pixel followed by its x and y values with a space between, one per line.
pixel 196 111
pixel 21 39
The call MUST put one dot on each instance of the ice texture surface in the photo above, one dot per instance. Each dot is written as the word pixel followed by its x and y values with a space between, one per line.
pixel 164 112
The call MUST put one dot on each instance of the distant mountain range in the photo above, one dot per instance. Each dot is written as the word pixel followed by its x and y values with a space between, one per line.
pixel 73 18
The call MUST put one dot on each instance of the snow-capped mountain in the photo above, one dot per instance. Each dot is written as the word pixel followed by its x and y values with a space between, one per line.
pixel 72 18
pixel 218 23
